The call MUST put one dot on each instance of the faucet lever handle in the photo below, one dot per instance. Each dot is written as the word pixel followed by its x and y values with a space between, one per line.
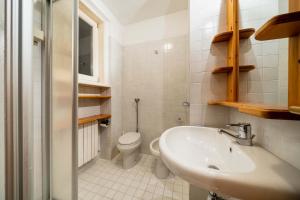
pixel 244 129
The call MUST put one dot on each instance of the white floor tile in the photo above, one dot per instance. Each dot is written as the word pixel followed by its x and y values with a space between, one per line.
pixel 107 180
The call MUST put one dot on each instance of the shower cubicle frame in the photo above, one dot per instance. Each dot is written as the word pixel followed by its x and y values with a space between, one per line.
pixel 18 101
pixel 18 123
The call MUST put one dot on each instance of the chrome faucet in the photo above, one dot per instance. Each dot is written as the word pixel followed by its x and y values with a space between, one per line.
pixel 244 136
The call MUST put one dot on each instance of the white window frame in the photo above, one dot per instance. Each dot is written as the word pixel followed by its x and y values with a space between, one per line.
pixel 95 46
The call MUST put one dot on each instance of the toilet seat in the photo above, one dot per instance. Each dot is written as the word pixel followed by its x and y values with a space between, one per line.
pixel 130 138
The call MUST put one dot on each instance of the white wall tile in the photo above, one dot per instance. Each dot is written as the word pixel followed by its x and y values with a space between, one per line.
pixel 270 86
pixel 196 97
pixel 158 77
pixel 270 48
pixel 116 77
pixel 277 136
pixel 270 74
pixel 270 61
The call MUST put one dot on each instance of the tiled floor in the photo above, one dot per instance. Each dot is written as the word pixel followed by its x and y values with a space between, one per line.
pixel 106 180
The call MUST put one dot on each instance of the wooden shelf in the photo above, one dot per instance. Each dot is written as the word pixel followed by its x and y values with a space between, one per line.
pixel 93 118
pixel 228 69
pixel 93 85
pixel 259 110
pixel 93 96
pixel 280 26
pixel 295 109
pixel 225 36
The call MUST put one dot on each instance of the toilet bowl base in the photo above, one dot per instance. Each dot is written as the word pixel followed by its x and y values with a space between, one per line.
pixel 130 159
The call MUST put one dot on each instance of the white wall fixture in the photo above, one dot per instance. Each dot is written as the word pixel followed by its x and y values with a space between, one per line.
pixel 161 170
pixel 222 165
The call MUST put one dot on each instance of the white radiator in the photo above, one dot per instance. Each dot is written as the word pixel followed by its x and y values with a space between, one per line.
pixel 88 142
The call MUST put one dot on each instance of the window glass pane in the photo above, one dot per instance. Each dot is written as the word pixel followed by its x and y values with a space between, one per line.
pixel 85 48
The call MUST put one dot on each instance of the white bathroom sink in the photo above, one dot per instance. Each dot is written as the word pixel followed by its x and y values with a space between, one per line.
pixel 217 163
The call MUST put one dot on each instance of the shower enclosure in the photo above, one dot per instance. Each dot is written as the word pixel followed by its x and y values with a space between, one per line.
pixel 38 99
pixel 2 147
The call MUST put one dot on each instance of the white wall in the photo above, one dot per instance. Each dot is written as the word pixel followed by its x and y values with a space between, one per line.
pixel 116 70
pixel 155 68
pixel 208 18
pixel 2 147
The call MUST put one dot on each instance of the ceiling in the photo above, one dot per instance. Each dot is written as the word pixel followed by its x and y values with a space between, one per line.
pixel 131 11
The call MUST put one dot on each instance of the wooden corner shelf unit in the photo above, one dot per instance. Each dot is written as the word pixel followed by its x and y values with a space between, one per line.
pixel 281 26
pixel 233 36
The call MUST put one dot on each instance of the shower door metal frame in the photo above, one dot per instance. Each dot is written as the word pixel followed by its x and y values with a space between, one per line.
pixel 46 100
pixel 11 101
pixel 18 101
pixel 18 98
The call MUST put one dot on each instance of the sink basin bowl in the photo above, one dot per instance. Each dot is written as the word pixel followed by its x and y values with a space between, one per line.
pixel 203 151
pixel 215 162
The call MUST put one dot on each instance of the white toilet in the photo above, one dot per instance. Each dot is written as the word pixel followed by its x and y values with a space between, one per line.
pixel 128 145
pixel 161 170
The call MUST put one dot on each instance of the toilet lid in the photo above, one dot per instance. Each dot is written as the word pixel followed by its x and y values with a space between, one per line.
pixel 129 138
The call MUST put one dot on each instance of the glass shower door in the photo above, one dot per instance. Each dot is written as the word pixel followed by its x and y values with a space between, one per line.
pixel 2 147
pixel 64 99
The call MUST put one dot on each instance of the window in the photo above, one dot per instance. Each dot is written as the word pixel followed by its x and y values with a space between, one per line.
pixel 85 48
pixel 88 49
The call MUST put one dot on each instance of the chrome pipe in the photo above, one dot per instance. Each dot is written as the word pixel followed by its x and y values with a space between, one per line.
pixel 137 100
